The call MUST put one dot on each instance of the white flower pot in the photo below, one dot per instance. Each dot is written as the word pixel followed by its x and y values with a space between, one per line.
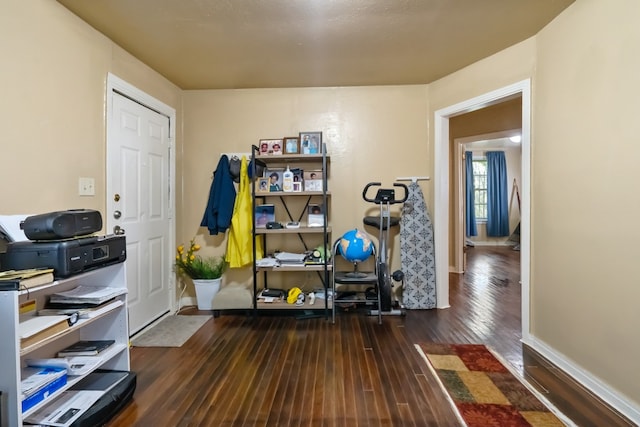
pixel 206 290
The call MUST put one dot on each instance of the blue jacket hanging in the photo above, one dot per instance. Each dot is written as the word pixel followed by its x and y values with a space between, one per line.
pixel 222 197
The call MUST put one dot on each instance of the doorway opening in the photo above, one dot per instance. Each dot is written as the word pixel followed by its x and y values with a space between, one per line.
pixel 442 188
pixel 478 146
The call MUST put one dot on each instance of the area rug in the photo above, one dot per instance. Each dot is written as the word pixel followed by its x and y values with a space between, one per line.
pixel 483 391
pixel 172 331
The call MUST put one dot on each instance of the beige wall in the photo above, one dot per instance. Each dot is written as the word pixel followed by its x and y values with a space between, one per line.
pixel 372 134
pixel 585 202
pixel 53 74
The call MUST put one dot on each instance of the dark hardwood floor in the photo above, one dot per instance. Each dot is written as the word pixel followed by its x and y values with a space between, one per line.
pixel 279 371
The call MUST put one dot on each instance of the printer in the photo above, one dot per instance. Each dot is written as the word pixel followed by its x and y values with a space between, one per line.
pixel 66 257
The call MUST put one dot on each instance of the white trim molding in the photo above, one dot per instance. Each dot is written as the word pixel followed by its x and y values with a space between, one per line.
pixel 619 402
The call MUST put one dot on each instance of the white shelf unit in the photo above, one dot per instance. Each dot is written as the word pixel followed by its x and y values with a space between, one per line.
pixel 110 325
pixel 319 234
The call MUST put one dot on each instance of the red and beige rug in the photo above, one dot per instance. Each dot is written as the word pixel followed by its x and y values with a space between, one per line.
pixel 483 391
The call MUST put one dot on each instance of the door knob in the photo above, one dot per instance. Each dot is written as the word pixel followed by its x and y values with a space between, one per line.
pixel 117 214
pixel 118 230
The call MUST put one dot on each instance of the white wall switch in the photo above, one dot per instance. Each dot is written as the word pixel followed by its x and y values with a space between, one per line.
pixel 86 186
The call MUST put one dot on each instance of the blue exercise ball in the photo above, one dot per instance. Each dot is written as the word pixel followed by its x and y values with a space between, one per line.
pixel 355 246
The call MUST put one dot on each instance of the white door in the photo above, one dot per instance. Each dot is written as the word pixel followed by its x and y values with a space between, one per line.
pixel 138 169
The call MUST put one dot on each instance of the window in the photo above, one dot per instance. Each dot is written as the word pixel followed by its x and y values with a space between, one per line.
pixel 480 188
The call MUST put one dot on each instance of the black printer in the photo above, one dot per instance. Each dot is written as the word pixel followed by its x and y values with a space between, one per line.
pixel 66 257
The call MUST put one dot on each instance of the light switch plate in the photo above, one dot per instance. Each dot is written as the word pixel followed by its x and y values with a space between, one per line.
pixel 86 186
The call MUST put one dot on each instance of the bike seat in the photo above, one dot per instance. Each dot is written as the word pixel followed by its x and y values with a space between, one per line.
pixel 375 221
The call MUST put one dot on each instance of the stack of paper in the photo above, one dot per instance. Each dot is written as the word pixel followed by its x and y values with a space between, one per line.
pixel 86 295
pixel 288 258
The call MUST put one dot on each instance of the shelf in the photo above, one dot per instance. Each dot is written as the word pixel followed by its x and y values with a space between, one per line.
pixel 291 193
pixel 72 380
pixel 82 322
pixel 305 230
pixel 107 322
pixel 295 268
pixel 296 204
pixel 283 158
pixel 283 305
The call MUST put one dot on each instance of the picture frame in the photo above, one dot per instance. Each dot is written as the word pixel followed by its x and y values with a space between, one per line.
pixel 274 177
pixel 297 186
pixel 263 147
pixel 270 147
pixel 298 175
pixel 263 185
pixel 310 142
pixel 276 147
pixel 264 214
pixel 315 215
pixel 313 180
pixel 291 145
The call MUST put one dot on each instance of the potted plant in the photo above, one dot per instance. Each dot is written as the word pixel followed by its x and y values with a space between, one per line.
pixel 205 272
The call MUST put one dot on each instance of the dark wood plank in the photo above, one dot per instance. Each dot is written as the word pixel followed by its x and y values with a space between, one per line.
pixel 278 371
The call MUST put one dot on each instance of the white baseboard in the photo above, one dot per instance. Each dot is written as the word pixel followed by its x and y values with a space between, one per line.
pixel 617 401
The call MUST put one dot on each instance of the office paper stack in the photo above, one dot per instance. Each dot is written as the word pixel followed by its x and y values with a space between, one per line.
pixel 288 259
pixel 38 383
pixel 85 296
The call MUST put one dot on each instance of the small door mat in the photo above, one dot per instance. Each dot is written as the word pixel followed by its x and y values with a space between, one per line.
pixel 172 331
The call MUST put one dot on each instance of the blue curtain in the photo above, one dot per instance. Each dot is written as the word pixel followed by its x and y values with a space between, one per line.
pixel 470 212
pixel 497 209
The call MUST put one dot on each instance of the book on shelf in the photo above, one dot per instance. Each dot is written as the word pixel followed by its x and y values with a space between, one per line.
pixel 25 279
pixel 38 328
pixel 86 348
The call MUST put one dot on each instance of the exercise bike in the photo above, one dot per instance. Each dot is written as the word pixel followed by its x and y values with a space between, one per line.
pixel 384 198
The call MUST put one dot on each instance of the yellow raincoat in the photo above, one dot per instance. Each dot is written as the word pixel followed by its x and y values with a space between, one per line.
pixel 240 239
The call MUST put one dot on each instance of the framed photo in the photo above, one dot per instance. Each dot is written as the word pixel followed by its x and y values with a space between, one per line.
pixel 315 216
pixel 274 178
pixel 297 175
pixel 263 185
pixel 291 145
pixel 313 180
pixel 276 147
pixel 310 142
pixel 297 186
pixel 270 147
pixel 264 214
pixel 264 147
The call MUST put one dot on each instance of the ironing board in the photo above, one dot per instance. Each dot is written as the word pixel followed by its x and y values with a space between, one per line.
pixel 417 252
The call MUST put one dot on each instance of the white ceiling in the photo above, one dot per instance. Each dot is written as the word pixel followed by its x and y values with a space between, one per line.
pixel 216 44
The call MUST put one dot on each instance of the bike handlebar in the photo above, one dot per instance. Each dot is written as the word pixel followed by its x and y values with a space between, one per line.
pixel 385 195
